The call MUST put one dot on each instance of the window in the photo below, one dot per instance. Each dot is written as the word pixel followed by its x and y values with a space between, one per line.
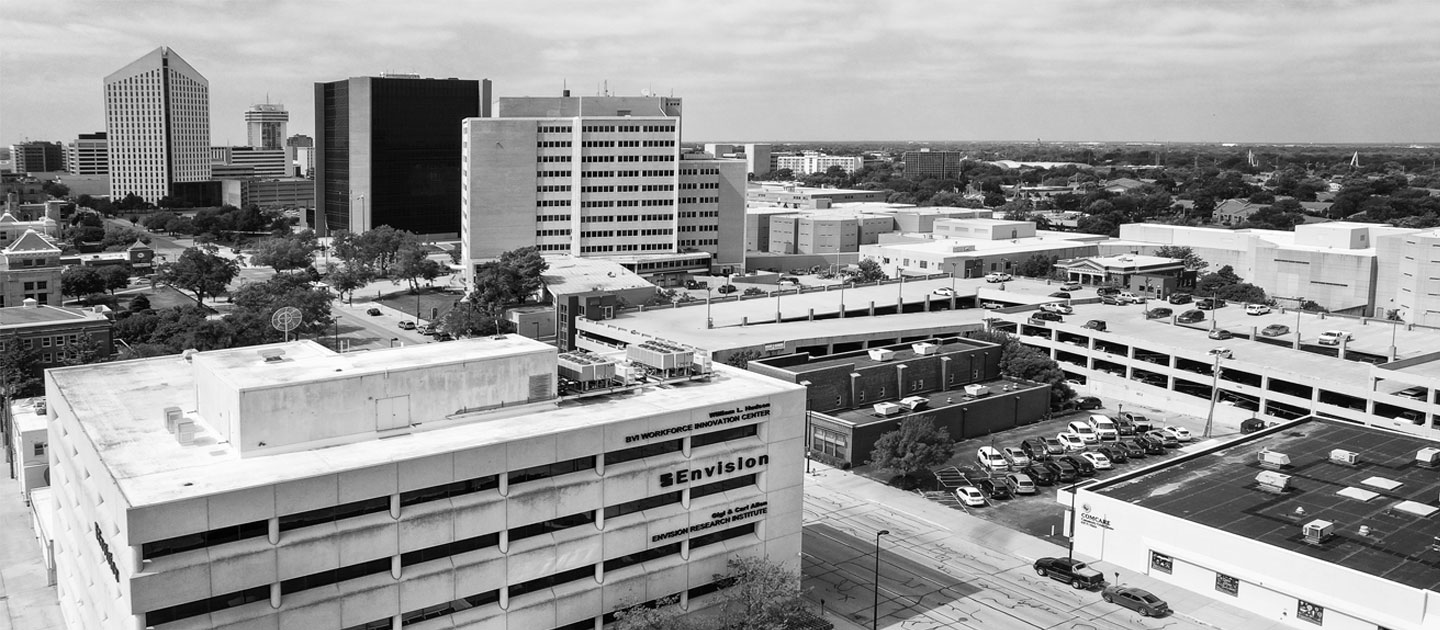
pixel 326 515
pixel 39 449
pixel 478 484
pixel 615 564
pixel 724 435
pixel 734 483
pixel 552 470
pixel 638 505
pixel 178 544
pixel 213 604
pixel 722 535
pixel 557 579
pixel 449 549
pixel 552 525
pixel 638 452
pixel 1161 562
pixel 332 576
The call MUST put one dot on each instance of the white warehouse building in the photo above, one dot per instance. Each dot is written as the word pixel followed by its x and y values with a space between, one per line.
pixel 433 486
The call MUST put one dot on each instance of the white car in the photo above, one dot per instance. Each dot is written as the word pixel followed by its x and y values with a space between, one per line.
pixel 1061 309
pixel 1256 309
pixel 997 277
pixel 1126 297
pixel 1223 353
pixel 1085 431
pixel 1181 434
pixel 1098 460
pixel 990 458
pixel 944 292
pixel 1104 427
pixel 969 496
pixel 1333 337
pixel 1070 441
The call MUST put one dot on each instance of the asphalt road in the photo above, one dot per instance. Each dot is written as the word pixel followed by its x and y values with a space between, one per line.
pixel 367 332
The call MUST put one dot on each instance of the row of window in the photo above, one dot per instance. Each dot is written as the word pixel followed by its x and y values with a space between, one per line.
pixel 699 200
pixel 699 228
pixel 699 171
pixel 553 188
pixel 695 214
pixel 553 158
pixel 624 233
pixel 553 129
pixel 550 218
pixel 699 242
pixel 561 232
pixel 700 186
pixel 553 203
pixel 553 144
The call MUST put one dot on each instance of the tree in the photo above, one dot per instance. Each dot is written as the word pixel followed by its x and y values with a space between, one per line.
pixel 132 201
pixel 346 280
pixel 139 304
pixel 1036 266
pixel 662 615
pixel 915 447
pixel 82 351
pixel 157 222
pixel 79 280
pixel 284 254
pixel 121 238
pixel 1181 252
pixel 741 358
pixel 115 277
pixel 468 320
pixel 867 270
pixel 1020 361
pixel 529 265
pixel 200 271
pixel 412 263
pixel 19 372
pixel 262 299
pixel 55 189
pixel 761 595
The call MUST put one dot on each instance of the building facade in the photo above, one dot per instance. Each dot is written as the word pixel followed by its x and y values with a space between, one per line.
pixel 37 157
pixel 302 150
pixel 29 270
pixel 596 177
pixel 269 193
pixel 88 154
pixel 816 162
pixel 58 335
pixel 27 452
pixel 265 126
pixel 388 152
pixel 249 163
pixel 244 497
pixel 157 123
pixel 759 159
pixel 925 164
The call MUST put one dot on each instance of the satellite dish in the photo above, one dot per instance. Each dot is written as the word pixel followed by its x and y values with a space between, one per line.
pixel 286 319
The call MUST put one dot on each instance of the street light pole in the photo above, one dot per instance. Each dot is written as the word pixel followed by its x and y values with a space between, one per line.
pixel 709 322
pixel 875 607
pixel 1070 553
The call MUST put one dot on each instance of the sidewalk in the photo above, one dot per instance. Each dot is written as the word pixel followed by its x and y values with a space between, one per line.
pixel 958 543
pixel 26 601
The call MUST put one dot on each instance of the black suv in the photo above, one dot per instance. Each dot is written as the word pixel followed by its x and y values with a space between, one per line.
pixel 992 489
pixel 1062 467
pixel 1208 304
pixel 1180 298
pixel 1151 447
pixel 1048 317
pixel 1037 449
pixel 1082 465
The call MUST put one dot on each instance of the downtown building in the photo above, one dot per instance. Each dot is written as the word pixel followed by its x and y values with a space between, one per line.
pixel 88 154
pixel 599 176
pixel 387 152
pixel 157 119
pixel 486 483
pixel 37 157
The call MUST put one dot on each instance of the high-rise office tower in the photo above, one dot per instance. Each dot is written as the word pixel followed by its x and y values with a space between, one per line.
pixel 302 152
pixel 388 152
pixel 599 176
pixel 265 125
pixel 38 157
pixel 157 119
pixel 88 154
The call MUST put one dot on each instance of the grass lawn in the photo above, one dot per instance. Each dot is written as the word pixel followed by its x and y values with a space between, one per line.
pixel 430 301
pixel 161 297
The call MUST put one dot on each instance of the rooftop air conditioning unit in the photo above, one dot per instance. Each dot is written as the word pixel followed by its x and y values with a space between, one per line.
pixel 585 366
pixel 1274 460
pixel 881 354
pixel 173 416
pixel 1271 481
pixel 185 432
pixel 1428 457
pixel 914 402
pixel 1317 531
pixel 1342 456
pixel 977 390
pixel 924 349
pixel 887 408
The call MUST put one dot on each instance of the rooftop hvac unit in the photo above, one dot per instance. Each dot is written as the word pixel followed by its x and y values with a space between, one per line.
pixel 1428 457
pixel 914 402
pixel 924 349
pixel 172 418
pixel 887 408
pixel 977 390
pixel 185 432
pixel 1271 481
pixel 881 354
pixel 585 366
pixel 1274 460
pixel 1342 456
pixel 661 355
pixel 1317 531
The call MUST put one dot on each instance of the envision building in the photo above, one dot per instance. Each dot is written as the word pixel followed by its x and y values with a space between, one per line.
pixel 286 486
pixel 88 154
pixel 157 120
pixel 388 152
pixel 598 176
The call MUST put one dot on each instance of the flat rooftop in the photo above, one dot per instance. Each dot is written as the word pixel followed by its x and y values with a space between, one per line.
pixel 1217 488
pixel 23 411
pixel 567 275
pixel 121 407
pixel 43 314
pixel 861 358
pixel 861 416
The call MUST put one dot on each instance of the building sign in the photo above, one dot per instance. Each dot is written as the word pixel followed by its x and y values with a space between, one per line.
pixel 105 549
pixel 716 418
pixel 1094 520
pixel 775 347
pixel 1313 613
pixel 1227 584
pixel 1161 562
pixel 718 518
pixel 720 467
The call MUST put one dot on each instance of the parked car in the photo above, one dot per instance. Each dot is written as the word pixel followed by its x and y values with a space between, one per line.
pixel 444 336
pixel 1085 467
pixel 1102 291
pixel 427 329
pixel 1135 419
pixel 1131 449
pixel 372 312
pixel 1150 446
pixel 1333 337
pixel 990 458
pixel 1252 425
pixel 944 292
pixel 1095 324
pixel 1090 402
pixel 997 276
pixel 696 284
pixel 992 489
pixel 1070 286
pixel 1220 334
pixel 1127 297
pixel 1015 457
pixel 970 497
pixel 1061 294
pixel 1062 469
pixel 1138 600
pixel 726 289
pixel 1071 441
pixel 1098 460
pixel 1165 439
pixel 1070 571
pixel 1020 483
pixel 1181 434
pixel 1046 316
pixel 1114 451
pixel 1180 298
pixel 1157 313
pixel 1111 300
pixel 407 325
pixel 1210 303
pixel 1256 309
pixel 1084 430
pixel 1051 307
pixel 1104 427
pixel 1223 353
pixel 1040 473
pixel 1275 330
pixel 1191 316
pixel 1414 393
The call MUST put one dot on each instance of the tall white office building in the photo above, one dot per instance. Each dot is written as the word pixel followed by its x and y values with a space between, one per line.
pixel 265 125
pixel 157 119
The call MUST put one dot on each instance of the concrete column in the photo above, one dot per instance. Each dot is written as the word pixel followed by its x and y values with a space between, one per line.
pixel 395 506
pixel 504 598
pixel 504 484
pixel 685 446
pixel 274 594
pixel 854 388
pixel 744 321
pixel 944 373
pixel 395 567
pixel 504 545
pixel 900 383
pixel 685 549
pixel 811 316
pixel 927 303
pixel 872 308
pixel 1344 348
pixel 274 532
pixel 599 572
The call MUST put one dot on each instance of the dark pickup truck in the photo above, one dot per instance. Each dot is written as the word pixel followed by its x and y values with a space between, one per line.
pixel 1070 571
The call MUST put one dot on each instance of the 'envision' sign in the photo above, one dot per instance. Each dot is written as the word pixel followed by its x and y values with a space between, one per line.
pixel 720 467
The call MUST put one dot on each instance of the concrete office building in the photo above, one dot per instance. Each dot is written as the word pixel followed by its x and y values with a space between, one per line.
pixel 88 154
pixel 157 123
pixel 269 193
pixel 1405 278
pixel 976 247
pixel 759 159
pixel 27 452
pixel 388 152
pixel 1312 524
pixel 816 162
pixel 265 126
pixel 29 269
pixel 820 233
pixel 925 163
pixel 599 176
pixel 37 157
pixel 286 486
pixel 302 151
pixel 788 195
pixel 249 163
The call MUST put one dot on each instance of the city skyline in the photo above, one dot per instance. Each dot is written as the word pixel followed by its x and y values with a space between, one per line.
pixel 1224 72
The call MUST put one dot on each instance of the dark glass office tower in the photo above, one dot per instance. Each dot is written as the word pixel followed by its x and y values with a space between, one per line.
pixel 387 152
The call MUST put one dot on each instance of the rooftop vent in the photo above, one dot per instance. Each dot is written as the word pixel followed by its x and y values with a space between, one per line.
pixel 661 355
pixel 272 355
pixel 1342 456
pixel 1273 460
pixel 173 416
pixel 1317 531
pixel 41 407
pixel 914 402
pixel 924 349
pixel 977 391
pixel 881 354
pixel 887 408
pixel 1429 457
pixel 585 367
pixel 29 303
pixel 185 432
pixel 1271 481
pixel 188 354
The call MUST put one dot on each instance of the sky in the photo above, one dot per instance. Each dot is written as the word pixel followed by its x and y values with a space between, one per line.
pixel 1251 71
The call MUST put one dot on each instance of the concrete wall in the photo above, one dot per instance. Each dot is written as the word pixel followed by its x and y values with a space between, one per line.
pixel 498 196
pixel 732 247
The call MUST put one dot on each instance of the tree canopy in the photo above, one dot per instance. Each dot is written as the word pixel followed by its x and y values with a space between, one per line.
pixel 201 271
pixel 915 447
pixel 78 281
pixel 285 253
pixel 1181 252
pixel 867 270
pixel 1227 285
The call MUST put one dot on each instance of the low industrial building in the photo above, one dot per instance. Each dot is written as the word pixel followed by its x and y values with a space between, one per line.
pixel 795 196
pixel 1312 523
pixel 588 288
pixel 485 483
pixel 979 247
pixel 269 193
pixel 1151 276
pixel 58 334
pixel 27 448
